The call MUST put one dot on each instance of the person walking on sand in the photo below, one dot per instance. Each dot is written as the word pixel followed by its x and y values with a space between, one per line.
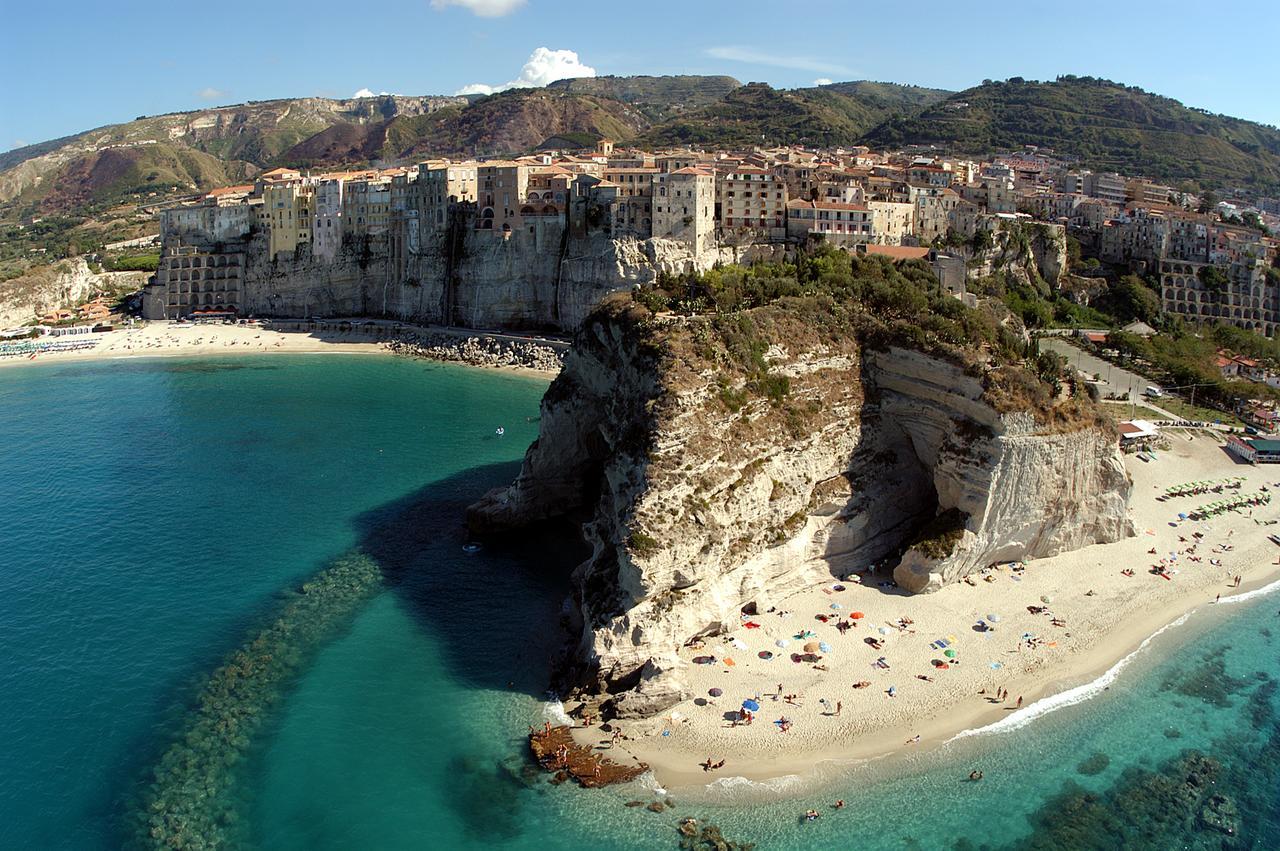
pixel 839 708
pixel 1019 701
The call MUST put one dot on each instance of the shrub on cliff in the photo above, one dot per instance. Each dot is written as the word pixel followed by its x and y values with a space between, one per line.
pixel 827 297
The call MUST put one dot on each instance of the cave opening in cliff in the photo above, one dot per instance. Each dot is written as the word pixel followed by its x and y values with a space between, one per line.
pixel 892 496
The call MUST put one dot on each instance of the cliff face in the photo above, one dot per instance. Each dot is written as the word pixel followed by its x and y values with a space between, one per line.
pixel 537 279
pixel 66 282
pixel 702 500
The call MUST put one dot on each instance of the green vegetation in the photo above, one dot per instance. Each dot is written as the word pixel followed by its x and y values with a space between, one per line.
pixel 1181 359
pixel 827 297
pixel 937 539
pixel 657 98
pixel 757 113
pixel 1106 125
pixel 134 263
pixel 641 544
pixel 1036 305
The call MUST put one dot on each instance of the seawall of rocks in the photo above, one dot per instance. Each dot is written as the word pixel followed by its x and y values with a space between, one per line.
pixel 482 350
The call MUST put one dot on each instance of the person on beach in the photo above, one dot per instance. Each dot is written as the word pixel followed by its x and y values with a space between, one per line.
pixel 839 708
pixel 1019 701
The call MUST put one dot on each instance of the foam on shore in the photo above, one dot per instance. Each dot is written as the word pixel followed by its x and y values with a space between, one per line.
pixel 1081 693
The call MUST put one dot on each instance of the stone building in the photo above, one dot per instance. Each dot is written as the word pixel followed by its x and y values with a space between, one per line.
pixel 194 278
pixel 289 208
pixel 752 202
pixel 684 204
pixel 835 222
pixel 1236 293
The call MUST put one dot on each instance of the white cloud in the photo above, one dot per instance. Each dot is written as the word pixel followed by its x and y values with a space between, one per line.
pixel 823 81
pixel 483 8
pixel 369 93
pixel 544 66
pixel 210 93
pixel 759 57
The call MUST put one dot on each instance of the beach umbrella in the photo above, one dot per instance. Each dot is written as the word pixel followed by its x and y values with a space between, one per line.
pixel 994 618
pixel 781 642
pixel 857 615
pixel 950 654
pixel 750 705
pixel 765 654
pixel 715 692
pixel 1182 515
pixel 884 630
pixel 1044 598
pixel 824 647
pixel 837 587
pixel 740 644
pixel 836 606
pixel 812 647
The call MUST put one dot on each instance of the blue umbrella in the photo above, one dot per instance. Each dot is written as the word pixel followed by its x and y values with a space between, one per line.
pixel 750 706
pixel 824 647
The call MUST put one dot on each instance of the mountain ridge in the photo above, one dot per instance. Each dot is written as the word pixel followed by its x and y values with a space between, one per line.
pixel 1098 123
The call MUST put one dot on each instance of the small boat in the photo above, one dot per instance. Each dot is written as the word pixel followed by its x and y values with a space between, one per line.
pixel 471 547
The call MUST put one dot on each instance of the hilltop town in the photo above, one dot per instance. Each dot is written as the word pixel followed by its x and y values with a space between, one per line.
pixel 232 251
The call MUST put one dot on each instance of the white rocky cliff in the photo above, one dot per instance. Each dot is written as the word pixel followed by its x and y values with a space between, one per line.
pixel 702 495
pixel 67 282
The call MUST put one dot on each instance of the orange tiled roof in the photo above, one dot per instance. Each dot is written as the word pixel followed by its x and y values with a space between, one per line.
pixel 898 252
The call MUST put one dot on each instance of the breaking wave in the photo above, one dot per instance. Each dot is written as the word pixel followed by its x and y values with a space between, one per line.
pixel 1072 696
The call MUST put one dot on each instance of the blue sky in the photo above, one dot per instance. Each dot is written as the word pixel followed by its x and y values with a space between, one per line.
pixel 71 65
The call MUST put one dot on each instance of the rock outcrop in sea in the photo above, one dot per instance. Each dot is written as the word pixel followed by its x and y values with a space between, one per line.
pixel 722 462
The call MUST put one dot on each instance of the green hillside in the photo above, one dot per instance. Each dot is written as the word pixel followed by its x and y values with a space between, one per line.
pixel 1104 124
pixel 109 176
pixel 760 114
pixel 657 98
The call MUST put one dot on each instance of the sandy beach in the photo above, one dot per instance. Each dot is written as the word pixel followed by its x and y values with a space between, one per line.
pixel 1094 617
pixel 168 339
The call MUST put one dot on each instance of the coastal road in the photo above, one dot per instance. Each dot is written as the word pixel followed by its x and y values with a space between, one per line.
pixel 1116 381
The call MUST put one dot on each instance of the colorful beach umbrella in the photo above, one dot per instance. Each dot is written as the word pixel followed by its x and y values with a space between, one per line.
pixel 950 654
pixel 812 647
pixel 856 615
pixel 750 705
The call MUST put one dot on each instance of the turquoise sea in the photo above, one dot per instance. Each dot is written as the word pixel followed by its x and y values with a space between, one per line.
pixel 160 518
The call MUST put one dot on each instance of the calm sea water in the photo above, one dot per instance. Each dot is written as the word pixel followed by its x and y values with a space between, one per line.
pixel 154 514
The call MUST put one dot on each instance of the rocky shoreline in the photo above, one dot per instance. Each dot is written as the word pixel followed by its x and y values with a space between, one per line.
pixel 481 350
